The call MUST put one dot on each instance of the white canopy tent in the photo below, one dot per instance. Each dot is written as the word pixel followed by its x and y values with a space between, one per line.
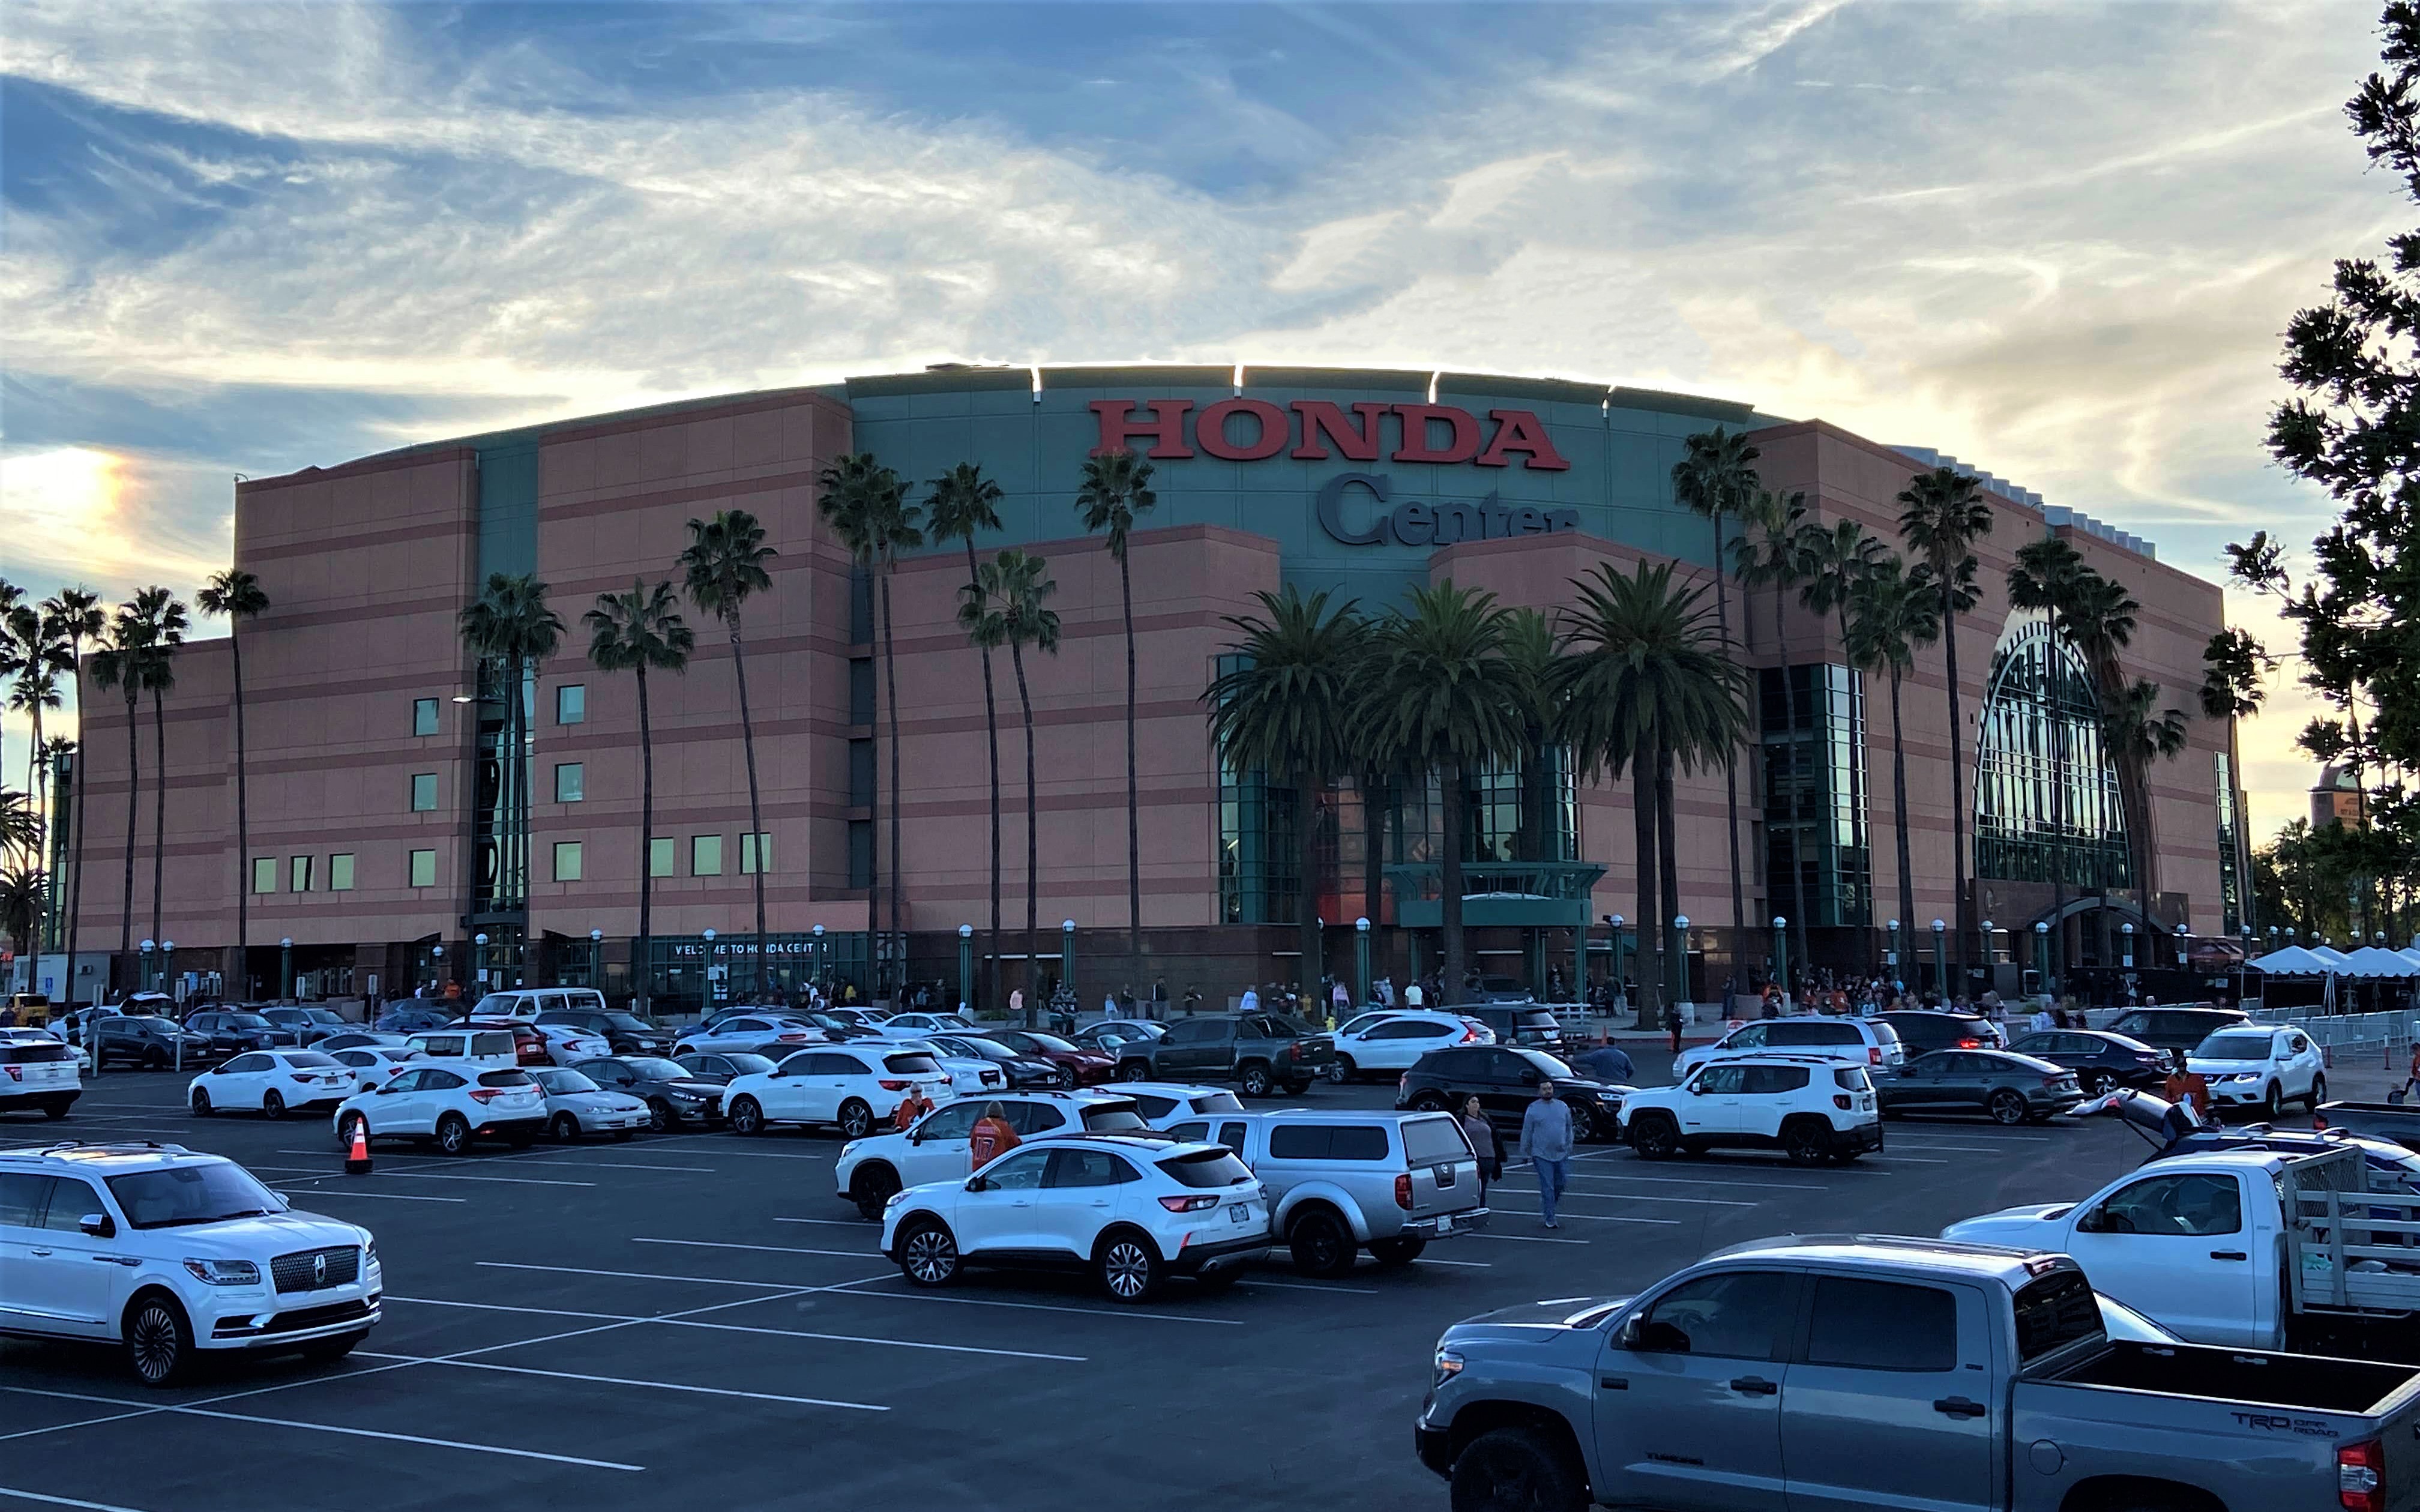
pixel 2327 953
pixel 2376 961
pixel 2292 962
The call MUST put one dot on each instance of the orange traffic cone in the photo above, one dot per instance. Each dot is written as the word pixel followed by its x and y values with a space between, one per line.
pixel 358 1162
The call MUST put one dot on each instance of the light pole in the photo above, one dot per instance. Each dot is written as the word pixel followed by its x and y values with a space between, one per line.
pixel 148 945
pixel 1781 957
pixel 480 963
pixel 2042 954
pixel 1613 922
pixel 1890 956
pixel 705 976
pixel 437 970
pixel 2184 948
pixel 1941 960
pixel 168 957
pixel 286 967
pixel 823 962
pixel 1680 971
pixel 2126 945
pixel 1068 955
pixel 966 968
pixel 597 959
pixel 1361 959
pixel 1991 957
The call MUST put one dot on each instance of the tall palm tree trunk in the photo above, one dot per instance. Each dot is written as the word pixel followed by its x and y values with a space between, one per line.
pixel 1032 848
pixel 1374 858
pixel 756 811
pixel 991 738
pixel 642 949
pixel 159 811
pixel 242 816
pixel 133 816
pixel 83 769
pixel 890 698
pixel 1306 830
pixel 1668 867
pixel 1959 901
pixel 1450 859
pixel 1651 934
pixel 38 782
pixel 1797 797
pixel 1134 790
pixel 1898 805
pixel 1859 806
pixel 1730 753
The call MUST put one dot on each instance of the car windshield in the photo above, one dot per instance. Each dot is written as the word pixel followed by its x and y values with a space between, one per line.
pixel 1052 1042
pixel 1547 1064
pixel 629 1020
pixel 320 1016
pixel 744 1064
pixel 654 1069
pixel 990 1049
pixel 2235 1045
pixel 498 1004
pixel 248 1021
pixel 910 1063
pixel 309 1058
pixel 563 1079
pixel 181 1195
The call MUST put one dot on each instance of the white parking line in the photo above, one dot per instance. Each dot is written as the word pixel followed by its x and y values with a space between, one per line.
pixel 1599 1218
pixel 770 1249
pixel 827 1222
pixel 1466 1265
pixel 1707 1181
pixel 1638 1196
pixel 1040 1307
pixel 1525 1238
pixel 11 1493
pixel 635 1276
pixel 436 1176
pixel 352 1192
pixel 614 1165
pixel 1301 1286
pixel 747 1328
pixel 624 1380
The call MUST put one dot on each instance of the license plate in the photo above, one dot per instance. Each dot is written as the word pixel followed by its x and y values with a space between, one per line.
pixel 1239 1213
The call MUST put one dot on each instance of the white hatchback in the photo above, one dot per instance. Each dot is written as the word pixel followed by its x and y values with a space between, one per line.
pixel 38 1072
pixel 453 1104
pixel 1131 1211
pixel 853 1086
pixel 1162 1103
pixel 1392 1042
pixel 372 1064
pixel 270 1082
pixel 2255 1065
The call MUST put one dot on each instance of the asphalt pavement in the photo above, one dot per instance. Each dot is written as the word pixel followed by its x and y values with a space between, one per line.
pixel 696 1319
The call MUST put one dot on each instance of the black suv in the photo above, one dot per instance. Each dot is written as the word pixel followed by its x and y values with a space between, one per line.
pixel 1925 1030
pixel 233 1031
pixel 1504 1079
pixel 1516 1023
pixel 310 1024
pixel 2175 1028
pixel 629 1034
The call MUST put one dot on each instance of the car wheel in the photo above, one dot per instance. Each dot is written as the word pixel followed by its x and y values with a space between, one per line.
pixel 1807 1142
pixel 1127 1267
pixel 1134 1071
pixel 155 1060
pixel 1341 1070
pixel 1515 1469
pixel 159 1341
pixel 1583 1123
pixel 327 1352
pixel 565 1127
pixel 2319 1094
pixel 454 1134
pixel 1431 1102
pixel 2007 1107
pixel 2093 1083
pixel 54 1110
pixel 1400 1251
pixel 660 1115
pixel 1064 1079
pixel 855 1119
pixel 1255 1080
pixel 345 1126
pixel 1654 1136
pixel 273 1105
pixel 1321 1244
pixel 872 1188
pixel 2274 1105
pixel 201 1102
pixel 747 1117
pixel 928 1256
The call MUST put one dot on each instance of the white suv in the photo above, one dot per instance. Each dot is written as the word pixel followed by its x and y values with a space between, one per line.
pixel 1859 1041
pixel 1162 1103
pixel 451 1103
pixel 1132 1211
pixel 1393 1041
pixel 1812 1108
pixel 939 1146
pixel 853 1086
pixel 526 1003
pixel 166 1251
pixel 2256 1066
pixel 270 1082
pixel 37 1074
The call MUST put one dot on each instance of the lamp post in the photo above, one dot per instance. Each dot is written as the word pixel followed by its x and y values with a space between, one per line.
pixel 1680 971
pixel 2042 954
pixel 1991 957
pixel 966 967
pixel 705 976
pixel 286 967
pixel 168 957
pixel 1781 957
pixel 480 963
pixel 823 959
pixel 1613 922
pixel 437 969
pixel 2184 948
pixel 1890 956
pixel 1941 960
pixel 1067 954
pixel 1361 959
pixel 145 978
pixel 2126 945
pixel 597 959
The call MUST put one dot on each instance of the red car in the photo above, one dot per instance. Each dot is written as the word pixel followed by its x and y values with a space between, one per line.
pixel 1077 1066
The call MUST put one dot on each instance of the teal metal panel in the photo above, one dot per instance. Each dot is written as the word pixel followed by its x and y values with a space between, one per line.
pixel 508 507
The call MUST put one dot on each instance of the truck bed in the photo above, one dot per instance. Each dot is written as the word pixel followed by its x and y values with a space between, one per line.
pixel 2293 1382
pixel 2395 1121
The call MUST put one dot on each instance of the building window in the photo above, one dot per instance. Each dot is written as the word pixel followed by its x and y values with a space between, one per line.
pixel 1815 792
pixel 861 606
pixel 424 716
pixel 749 846
pixel 2230 850
pixel 423 792
pixel 571 704
pixel 860 852
pixel 567 861
pixel 861 773
pixel 424 869
pixel 661 854
pixel 340 873
pixel 570 782
pixel 299 875
pixel 2046 802
pixel 705 855
pixel 263 874
pixel 860 690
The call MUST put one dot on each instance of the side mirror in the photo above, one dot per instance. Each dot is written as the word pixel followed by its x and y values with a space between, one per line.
pixel 976 1183
pixel 98 1225
pixel 2089 1223
pixel 1628 1338
pixel 1696 1089
pixel 282 1201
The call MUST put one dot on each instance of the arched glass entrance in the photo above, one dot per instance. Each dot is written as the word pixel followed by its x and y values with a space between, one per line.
pixel 2046 802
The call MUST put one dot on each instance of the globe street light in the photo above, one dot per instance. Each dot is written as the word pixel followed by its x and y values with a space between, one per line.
pixel 597 957
pixel 706 977
pixel 1781 957
pixel 1679 972
pixel 286 967
pixel 1941 960
pixel 2127 945
pixel 966 966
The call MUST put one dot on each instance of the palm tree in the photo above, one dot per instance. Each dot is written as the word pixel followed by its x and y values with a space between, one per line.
pixel 1943 515
pixel 18 824
pixel 722 565
pixel 963 503
pixel 866 505
pixel 169 623
pixel 1436 690
pixel 1646 683
pixel 237 594
pixel 2136 737
pixel 1773 555
pixel 1285 709
pixel 24 898
pixel 1017 586
pixel 1534 651
pixel 640 632
pixel 510 626
pixel 35 689
pixel 1716 477
pixel 1116 488
pixel 1892 611
pixel 1837 560
pixel 2044 580
pixel 126 664
pixel 74 616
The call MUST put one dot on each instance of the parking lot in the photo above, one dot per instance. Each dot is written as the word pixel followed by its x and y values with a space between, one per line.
pixel 696 1318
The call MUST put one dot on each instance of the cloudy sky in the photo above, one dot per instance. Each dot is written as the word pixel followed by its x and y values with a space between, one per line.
pixel 2058 241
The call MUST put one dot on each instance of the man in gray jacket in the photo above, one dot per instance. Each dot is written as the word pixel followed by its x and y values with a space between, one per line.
pixel 1546 1141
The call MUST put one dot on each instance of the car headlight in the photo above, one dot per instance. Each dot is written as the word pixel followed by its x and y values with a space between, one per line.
pixel 224 1272
pixel 369 1245
pixel 848 1149
pixel 893 1200
pixel 1449 1364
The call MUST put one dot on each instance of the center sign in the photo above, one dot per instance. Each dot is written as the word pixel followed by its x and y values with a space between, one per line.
pixel 1251 430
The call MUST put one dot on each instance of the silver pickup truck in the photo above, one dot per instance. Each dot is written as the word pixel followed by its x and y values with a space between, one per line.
pixel 1849 1373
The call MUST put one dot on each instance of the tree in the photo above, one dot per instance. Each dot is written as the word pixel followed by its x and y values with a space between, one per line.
pixel 2234 665
pixel 1773 555
pixel 33 656
pixel 1647 682
pixel 1437 690
pixel 510 628
pixel 1116 488
pixel 75 617
pixel 1018 587
pixel 20 827
pixel 722 567
pixel 1533 653
pixel 1717 476
pixel 963 503
pixel 1892 611
pixel 168 622
pixel 134 663
pixel 1286 709
pixel 640 632
pixel 1941 516
pixel 2135 736
pixel 238 594
pixel 25 892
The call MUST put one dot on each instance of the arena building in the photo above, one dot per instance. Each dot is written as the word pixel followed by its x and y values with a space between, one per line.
pixel 380 829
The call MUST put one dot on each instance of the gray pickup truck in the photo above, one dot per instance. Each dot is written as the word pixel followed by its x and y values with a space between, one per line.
pixel 1260 1052
pixel 1834 1373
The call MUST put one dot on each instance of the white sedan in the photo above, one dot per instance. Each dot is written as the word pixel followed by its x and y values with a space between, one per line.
pixel 372 1064
pixel 570 1044
pixel 931 1023
pixel 576 1105
pixel 270 1082
pixel 2253 1066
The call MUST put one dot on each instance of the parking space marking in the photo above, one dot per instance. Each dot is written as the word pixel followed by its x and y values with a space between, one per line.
pixel 828 1222
pixel 640 1276
pixel 433 1175
pixel 1601 1218
pixel 750 1328
pixel 1525 1238
pixel 1696 1181
pixel 1304 1285
pixel 349 1192
pixel 1640 1196
pixel 80 1423
pixel 1466 1265
pixel 624 1380
pixel 1040 1307
pixel 11 1493
pixel 771 1249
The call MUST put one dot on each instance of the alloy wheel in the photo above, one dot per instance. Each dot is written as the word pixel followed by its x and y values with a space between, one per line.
pixel 155 1342
pixel 2007 1107
pixel 932 1256
pixel 1126 1269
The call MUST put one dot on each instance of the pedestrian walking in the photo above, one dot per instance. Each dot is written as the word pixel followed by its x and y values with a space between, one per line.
pixel 1251 1003
pixel 1608 1062
pixel 1412 993
pixel 1546 1143
pixel 992 1137
pixel 1672 1024
pixel 1485 1142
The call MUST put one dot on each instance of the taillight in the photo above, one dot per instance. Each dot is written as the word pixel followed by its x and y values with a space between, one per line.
pixel 1470 1036
pixel 887 1085
pixel 794 1040
pixel 1970 1044
pixel 1404 1192
pixel 1873 1054
pixel 1840 1100
pixel 486 1094
pixel 2053 1081
pixel 1189 1205
pixel 2361 1476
